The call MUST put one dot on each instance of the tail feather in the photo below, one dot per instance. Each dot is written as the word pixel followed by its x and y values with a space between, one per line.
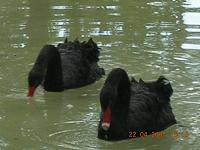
pixel 164 89
pixel 90 50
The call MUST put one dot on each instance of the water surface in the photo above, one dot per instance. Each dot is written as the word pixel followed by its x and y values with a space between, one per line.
pixel 147 38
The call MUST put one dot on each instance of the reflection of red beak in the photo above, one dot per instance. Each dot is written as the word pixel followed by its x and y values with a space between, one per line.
pixel 106 118
pixel 31 91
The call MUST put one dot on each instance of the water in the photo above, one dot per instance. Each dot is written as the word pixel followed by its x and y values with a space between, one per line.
pixel 147 38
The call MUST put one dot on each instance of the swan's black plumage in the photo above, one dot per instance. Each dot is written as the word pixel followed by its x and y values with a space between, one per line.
pixel 68 65
pixel 134 106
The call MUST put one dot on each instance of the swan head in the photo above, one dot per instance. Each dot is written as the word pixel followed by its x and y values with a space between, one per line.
pixel 34 80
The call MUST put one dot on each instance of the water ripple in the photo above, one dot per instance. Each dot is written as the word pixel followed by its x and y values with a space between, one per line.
pixel 191 18
pixel 190 46
pixel 191 4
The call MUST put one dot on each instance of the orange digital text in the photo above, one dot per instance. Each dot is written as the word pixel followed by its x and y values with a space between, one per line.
pixel 160 134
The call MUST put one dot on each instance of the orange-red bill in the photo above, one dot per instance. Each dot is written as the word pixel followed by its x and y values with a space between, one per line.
pixel 106 118
pixel 31 91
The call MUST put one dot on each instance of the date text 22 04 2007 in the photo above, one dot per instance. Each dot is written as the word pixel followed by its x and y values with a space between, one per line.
pixel 161 134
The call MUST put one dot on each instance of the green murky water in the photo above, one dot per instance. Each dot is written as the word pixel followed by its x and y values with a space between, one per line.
pixel 147 38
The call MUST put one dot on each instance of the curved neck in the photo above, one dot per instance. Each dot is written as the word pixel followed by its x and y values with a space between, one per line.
pixel 48 63
pixel 116 94
pixel 119 80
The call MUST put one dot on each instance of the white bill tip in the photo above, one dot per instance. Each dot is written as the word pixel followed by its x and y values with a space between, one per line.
pixel 105 126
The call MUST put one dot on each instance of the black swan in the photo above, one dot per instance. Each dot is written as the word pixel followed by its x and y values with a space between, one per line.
pixel 69 65
pixel 130 108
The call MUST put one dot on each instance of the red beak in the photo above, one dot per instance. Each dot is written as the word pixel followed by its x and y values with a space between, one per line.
pixel 31 91
pixel 106 118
